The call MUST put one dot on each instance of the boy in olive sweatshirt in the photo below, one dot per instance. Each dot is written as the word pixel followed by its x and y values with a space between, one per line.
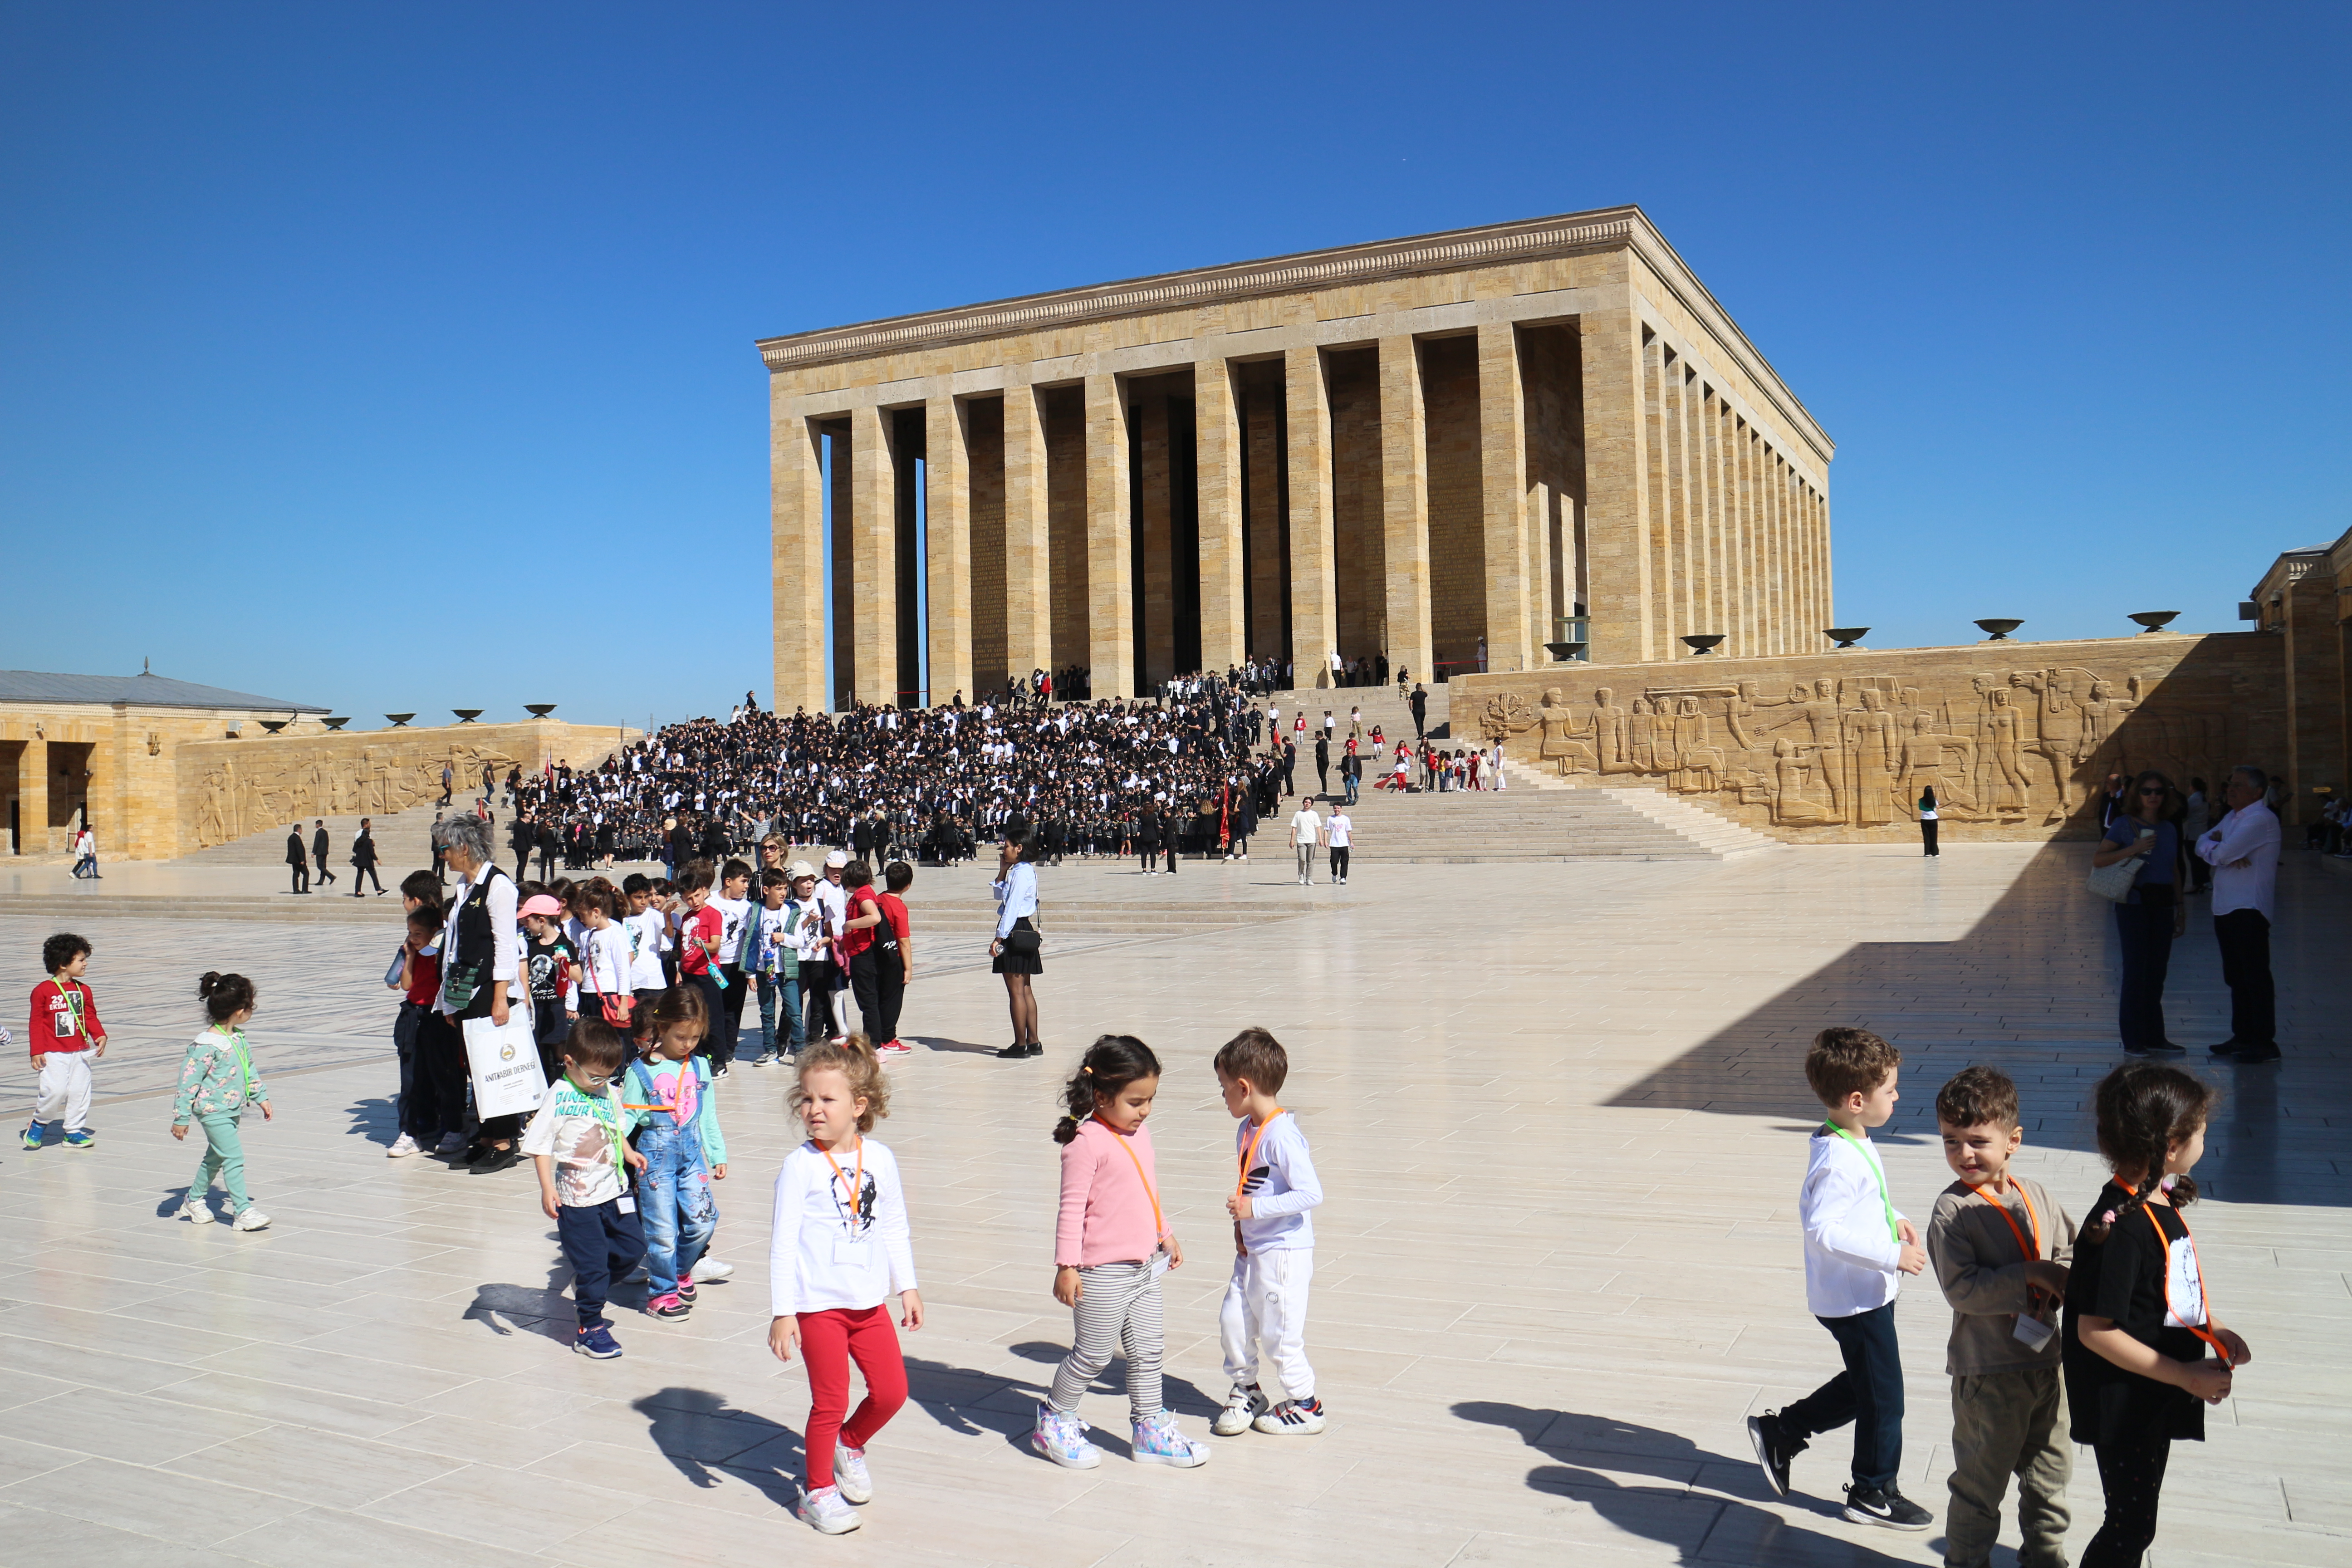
pixel 1999 1245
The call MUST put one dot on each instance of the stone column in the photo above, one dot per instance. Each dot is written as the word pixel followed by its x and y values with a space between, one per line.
pixel 1617 489
pixel 796 561
pixel 1825 598
pixel 1503 497
pixel 946 538
pixel 1218 457
pixel 873 543
pixel 1111 610
pixel 1314 577
pixel 33 765
pixel 1404 506
pixel 1028 583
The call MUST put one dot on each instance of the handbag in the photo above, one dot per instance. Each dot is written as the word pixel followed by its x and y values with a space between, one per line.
pixel 2114 882
pixel 1026 940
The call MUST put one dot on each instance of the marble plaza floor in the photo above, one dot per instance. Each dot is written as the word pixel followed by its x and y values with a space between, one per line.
pixel 1560 1115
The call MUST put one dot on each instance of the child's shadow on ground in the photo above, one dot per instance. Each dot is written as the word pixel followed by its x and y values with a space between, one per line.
pixel 375 1119
pixel 698 1432
pixel 1676 1512
pixel 941 1043
pixel 543 1309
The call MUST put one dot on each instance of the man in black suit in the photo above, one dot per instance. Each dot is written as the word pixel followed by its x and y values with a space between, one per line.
pixel 1323 762
pixel 363 860
pixel 1171 822
pixel 318 853
pixel 1419 703
pixel 298 859
pixel 545 836
pixel 524 835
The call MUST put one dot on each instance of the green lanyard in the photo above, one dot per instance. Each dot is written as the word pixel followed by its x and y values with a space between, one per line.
pixel 236 1039
pixel 610 1120
pixel 1893 1229
pixel 75 1004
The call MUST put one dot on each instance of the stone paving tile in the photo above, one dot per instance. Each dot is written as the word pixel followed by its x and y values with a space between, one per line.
pixel 1557 1269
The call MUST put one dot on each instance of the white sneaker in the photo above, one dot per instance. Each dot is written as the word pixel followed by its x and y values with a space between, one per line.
pixel 849 1475
pixel 451 1143
pixel 1292 1419
pixel 1244 1405
pixel 1062 1439
pixel 828 1511
pixel 252 1219
pixel 710 1269
pixel 402 1147
pixel 197 1211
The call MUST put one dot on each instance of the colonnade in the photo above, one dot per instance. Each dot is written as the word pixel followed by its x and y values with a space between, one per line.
pixel 1441 498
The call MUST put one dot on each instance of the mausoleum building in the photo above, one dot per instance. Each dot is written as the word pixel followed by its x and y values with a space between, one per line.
pixel 1451 450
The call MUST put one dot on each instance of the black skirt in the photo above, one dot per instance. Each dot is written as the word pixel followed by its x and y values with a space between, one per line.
pixel 1011 962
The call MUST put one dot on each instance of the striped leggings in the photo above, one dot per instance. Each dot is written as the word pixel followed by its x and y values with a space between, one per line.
pixel 1118 1309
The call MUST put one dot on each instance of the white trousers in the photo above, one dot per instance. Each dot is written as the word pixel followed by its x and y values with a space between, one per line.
pixel 64 1093
pixel 1265 1314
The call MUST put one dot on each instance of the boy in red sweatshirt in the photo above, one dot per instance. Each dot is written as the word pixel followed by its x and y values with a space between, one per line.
pixel 66 1036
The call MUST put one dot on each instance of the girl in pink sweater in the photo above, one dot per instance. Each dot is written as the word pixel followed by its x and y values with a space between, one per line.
pixel 1110 1246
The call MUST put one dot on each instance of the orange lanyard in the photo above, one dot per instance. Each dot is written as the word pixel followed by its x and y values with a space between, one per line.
pixel 2204 1300
pixel 1250 1152
pixel 1160 1224
pixel 856 1184
pixel 2032 1253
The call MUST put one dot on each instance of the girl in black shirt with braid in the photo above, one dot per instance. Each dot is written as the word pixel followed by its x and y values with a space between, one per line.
pixel 2138 1324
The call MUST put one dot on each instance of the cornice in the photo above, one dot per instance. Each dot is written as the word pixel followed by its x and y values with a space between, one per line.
pixel 1529 239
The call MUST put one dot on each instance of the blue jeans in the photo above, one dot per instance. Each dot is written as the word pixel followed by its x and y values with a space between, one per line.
pixel 787 987
pixel 1868 1393
pixel 674 1202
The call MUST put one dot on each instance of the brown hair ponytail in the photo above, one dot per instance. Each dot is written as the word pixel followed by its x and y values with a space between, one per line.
pixel 2145 1108
pixel 1111 1064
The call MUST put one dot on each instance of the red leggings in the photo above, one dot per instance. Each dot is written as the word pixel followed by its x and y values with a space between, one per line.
pixel 829 1340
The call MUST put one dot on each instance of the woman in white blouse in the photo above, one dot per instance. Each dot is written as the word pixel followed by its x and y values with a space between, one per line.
pixel 1014 951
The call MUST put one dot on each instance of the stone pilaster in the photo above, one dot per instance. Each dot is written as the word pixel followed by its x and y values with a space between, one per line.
pixel 1503 497
pixel 874 542
pixel 1314 578
pixel 1110 614
pixel 796 562
pixel 947 537
pixel 1218 457
pixel 1617 490
pixel 32 767
pixel 1028 583
pixel 1404 506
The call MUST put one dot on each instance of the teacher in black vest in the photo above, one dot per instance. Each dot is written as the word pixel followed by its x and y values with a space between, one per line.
pixel 479 959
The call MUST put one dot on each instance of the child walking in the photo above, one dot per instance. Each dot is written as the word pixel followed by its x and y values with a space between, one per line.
pixel 65 1038
pixel 578 1140
pixel 842 1246
pixel 1999 1244
pixel 1111 1245
pixel 683 1149
pixel 1857 1249
pixel 216 1083
pixel 1274 1184
pixel 2138 1322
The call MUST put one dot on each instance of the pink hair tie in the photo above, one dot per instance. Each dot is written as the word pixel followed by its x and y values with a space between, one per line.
pixel 2108 1217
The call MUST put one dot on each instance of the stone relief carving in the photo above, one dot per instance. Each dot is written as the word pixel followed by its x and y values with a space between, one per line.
pixel 2030 748
pixel 289 781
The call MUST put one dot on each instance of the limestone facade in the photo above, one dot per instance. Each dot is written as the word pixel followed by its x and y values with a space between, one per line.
pixel 2016 738
pixel 1434 449
pixel 157 783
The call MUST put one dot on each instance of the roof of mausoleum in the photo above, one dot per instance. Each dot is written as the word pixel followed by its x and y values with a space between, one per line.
pixel 1344 266
pixel 146 690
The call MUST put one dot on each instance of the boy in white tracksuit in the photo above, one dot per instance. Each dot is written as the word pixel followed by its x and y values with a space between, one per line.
pixel 1265 1309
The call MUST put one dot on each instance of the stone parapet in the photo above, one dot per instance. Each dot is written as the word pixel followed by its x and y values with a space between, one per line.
pixel 2015 738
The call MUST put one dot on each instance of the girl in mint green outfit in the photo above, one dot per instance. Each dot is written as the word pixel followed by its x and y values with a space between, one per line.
pixel 216 1083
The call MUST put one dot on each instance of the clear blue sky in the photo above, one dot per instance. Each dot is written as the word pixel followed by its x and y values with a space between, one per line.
pixel 341 345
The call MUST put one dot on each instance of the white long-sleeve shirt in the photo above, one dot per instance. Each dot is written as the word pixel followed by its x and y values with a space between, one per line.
pixel 1849 1252
pixel 823 1253
pixel 1280 1184
pixel 1016 896
pixel 2249 833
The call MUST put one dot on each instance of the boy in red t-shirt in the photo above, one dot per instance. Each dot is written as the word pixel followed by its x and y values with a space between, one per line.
pixel 700 931
pixel 66 1037
pixel 894 957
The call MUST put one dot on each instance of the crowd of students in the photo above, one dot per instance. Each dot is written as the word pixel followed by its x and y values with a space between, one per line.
pixel 1195 774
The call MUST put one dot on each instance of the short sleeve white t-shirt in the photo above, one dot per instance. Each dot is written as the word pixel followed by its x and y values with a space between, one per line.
pixel 567 1128
pixel 732 913
pixel 1305 825
pixel 646 931
pixel 1342 828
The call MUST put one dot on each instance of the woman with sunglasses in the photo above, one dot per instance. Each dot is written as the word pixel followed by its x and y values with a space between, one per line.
pixel 2146 827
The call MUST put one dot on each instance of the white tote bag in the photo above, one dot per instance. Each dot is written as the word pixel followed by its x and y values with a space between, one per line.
pixel 504 1063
